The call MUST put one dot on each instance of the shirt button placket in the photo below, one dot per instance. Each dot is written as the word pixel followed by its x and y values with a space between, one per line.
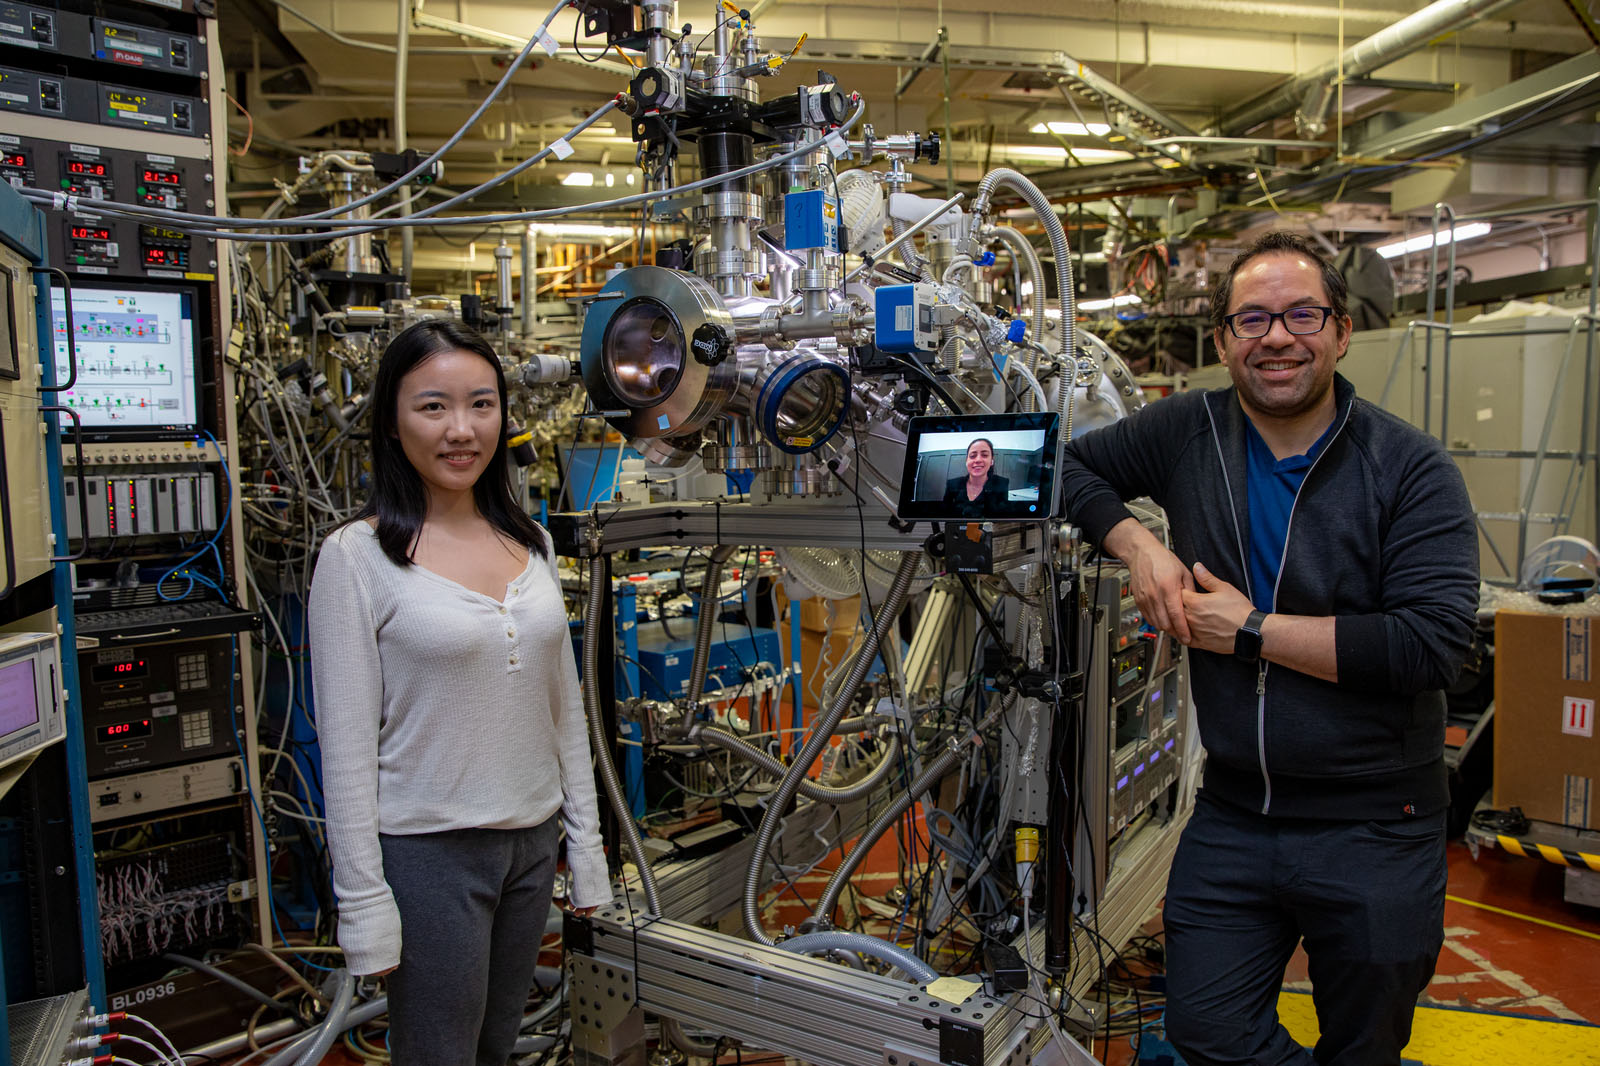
pixel 511 630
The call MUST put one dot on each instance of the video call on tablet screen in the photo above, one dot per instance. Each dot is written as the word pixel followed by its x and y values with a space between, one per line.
pixel 980 468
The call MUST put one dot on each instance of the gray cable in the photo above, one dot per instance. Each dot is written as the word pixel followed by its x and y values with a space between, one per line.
pixel 931 775
pixel 334 1023
pixel 871 946
pixel 48 199
pixel 1022 251
pixel 231 981
pixel 810 789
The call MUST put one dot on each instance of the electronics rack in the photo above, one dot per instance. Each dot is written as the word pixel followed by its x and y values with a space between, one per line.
pixel 123 101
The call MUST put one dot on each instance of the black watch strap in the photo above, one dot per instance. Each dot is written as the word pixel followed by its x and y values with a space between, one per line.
pixel 1247 641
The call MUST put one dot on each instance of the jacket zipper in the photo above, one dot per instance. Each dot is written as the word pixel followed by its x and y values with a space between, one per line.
pixel 1261 673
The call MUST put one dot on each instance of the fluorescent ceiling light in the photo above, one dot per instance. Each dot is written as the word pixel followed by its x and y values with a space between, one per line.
pixel 1097 305
pixel 1116 301
pixel 579 232
pixel 1423 241
pixel 611 179
pixel 1072 129
pixel 578 177
pixel 1048 153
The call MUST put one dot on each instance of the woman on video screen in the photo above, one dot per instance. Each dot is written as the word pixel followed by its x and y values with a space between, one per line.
pixel 981 488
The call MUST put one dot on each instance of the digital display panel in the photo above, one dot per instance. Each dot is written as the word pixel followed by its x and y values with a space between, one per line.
pixel 104 672
pixel 113 734
pixel 90 233
pixel 88 168
pixel 160 177
pixel 164 235
pixel 136 357
pixel 175 258
pixel 13 159
pixel 980 467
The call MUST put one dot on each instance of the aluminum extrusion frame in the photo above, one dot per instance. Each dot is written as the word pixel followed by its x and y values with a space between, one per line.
pixel 825 1014
pixel 781 523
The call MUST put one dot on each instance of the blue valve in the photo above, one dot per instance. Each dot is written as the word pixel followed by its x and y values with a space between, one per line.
pixel 984 260
pixel 1017 331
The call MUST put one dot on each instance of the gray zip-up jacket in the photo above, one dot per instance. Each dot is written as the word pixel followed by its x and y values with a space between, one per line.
pixel 1381 536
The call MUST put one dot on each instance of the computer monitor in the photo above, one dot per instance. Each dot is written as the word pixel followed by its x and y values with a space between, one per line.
pixel 995 468
pixel 30 712
pixel 137 371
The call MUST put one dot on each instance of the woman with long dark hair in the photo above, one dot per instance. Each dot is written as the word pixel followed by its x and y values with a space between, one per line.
pixel 980 488
pixel 453 742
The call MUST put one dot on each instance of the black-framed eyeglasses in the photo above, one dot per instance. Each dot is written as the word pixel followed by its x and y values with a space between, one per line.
pixel 1248 325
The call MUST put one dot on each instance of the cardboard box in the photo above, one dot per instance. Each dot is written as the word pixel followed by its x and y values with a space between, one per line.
pixel 1546 686
pixel 816 616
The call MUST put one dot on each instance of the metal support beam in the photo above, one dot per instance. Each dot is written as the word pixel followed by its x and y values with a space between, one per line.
pixel 816 1011
pixel 928 58
pixel 782 523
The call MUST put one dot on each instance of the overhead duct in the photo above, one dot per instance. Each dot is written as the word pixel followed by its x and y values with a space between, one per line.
pixel 1310 94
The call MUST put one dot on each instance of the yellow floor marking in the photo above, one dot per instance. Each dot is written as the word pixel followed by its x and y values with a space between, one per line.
pixel 1441 1037
pixel 1523 917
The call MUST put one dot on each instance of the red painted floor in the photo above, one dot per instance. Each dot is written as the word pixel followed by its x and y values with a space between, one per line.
pixel 1492 961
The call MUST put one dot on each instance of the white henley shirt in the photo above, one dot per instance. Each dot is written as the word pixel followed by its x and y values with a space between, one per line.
pixel 441 708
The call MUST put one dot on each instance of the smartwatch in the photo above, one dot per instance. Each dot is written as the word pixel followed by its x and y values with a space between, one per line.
pixel 1247 642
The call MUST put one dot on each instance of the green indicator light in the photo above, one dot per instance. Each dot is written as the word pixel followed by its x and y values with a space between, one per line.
pixel 139 189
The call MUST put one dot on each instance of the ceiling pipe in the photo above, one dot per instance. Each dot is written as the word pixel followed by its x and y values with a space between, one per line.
pixel 1312 92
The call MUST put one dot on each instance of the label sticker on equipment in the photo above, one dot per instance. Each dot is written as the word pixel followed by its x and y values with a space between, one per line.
pixel 1577 716
pixel 1575 794
pixel 905 318
pixel 561 149
pixel 548 43
pixel 662 422
pixel 1575 650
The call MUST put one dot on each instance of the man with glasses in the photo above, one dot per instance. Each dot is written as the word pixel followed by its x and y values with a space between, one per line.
pixel 1324 574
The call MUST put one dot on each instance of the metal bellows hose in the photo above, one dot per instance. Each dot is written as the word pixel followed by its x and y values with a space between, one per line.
pixel 710 587
pixel 597 733
pixel 1052 227
pixel 821 733
pixel 608 771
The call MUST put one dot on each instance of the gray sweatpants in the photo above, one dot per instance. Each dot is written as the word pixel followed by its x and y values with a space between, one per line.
pixel 473 904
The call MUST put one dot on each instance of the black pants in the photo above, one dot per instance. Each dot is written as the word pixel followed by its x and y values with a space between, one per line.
pixel 473 904
pixel 1367 899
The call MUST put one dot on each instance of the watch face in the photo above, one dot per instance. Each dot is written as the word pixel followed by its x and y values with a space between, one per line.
pixel 1247 645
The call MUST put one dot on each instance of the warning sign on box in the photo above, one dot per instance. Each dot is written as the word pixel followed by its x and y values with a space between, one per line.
pixel 1577 716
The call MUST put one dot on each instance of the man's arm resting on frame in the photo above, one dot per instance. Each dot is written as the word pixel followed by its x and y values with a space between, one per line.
pixel 1300 642
pixel 1158 577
